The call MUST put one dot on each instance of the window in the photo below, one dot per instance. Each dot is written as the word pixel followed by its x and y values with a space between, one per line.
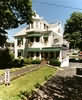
pixel 32 54
pixel 45 40
pixel 37 54
pixel 31 39
pixel 44 26
pixel 20 42
pixel 37 39
pixel 56 40
pixel 20 53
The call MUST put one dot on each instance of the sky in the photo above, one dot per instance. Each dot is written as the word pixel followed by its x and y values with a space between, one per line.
pixel 52 11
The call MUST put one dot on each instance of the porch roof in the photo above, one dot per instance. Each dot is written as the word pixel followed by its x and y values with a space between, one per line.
pixel 33 35
pixel 33 49
pixel 38 34
pixel 49 49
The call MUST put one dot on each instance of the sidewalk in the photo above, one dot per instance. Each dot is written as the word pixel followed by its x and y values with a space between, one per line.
pixel 18 73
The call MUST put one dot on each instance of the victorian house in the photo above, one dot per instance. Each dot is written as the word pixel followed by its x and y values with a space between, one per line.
pixel 40 40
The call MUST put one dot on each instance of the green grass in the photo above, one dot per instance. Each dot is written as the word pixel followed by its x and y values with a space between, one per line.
pixel 25 82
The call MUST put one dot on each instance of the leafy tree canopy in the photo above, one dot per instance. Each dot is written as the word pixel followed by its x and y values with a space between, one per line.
pixel 12 14
pixel 73 30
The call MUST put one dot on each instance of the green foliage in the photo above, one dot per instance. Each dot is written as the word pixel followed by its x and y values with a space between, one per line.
pixel 73 60
pixel 54 62
pixel 27 61
pixel 12 14
pixel 24 95
pixel 5 58
pixel 36 61
pixel 18 62
pixel 73 30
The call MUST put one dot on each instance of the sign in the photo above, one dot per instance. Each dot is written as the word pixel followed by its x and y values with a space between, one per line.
pixel 7 77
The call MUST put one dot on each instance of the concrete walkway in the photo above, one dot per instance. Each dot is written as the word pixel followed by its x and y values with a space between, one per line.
pixel 18 73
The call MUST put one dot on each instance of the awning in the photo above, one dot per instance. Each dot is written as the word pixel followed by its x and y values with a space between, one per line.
pixel 50 49
pixel 33 35
pixel 32 49
pixel 45 34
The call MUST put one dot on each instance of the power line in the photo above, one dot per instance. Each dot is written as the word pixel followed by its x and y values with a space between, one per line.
pixel 58 5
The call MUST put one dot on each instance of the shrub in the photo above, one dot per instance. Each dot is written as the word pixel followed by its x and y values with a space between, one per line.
pixel 18 62
pixel 27 61
pixel 24 95
pixel 73 60
pixel 54 62
pixel 80 60
pixel 5 58
pixel 37 61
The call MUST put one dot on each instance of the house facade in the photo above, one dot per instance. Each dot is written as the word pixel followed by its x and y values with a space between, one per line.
pixel 40 40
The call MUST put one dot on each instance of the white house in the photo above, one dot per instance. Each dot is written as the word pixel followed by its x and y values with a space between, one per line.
pixel 40 40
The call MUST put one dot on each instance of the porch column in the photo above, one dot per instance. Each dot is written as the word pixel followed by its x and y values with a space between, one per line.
pixel 34 56
pixel 60 56
pixel 40 55
pixel 16 50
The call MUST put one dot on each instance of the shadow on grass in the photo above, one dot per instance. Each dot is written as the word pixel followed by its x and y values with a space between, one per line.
pixel 59 88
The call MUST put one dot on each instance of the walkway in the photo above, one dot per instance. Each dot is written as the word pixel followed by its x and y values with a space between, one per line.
pixel 18 73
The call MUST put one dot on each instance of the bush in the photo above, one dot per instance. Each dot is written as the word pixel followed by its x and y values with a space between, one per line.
pixel 5 58
pixel 37 61
pixel 80 60
pixel 55 62
pixel 18 62
pixel 73 60
pixel 27 61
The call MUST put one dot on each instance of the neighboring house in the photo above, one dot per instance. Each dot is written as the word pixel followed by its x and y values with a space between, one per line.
pixel 10 45
pixel 40 40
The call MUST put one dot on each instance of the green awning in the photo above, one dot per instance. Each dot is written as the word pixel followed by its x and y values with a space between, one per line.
pixel 33 49
pixel 38 34
pixel 51 49
pixel 33 35
pixel 45 35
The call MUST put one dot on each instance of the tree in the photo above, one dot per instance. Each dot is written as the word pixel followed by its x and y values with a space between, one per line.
pixel 12 14
pixel 73 30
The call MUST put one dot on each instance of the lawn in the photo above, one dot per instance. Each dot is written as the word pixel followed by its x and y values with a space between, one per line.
pixel 25 82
